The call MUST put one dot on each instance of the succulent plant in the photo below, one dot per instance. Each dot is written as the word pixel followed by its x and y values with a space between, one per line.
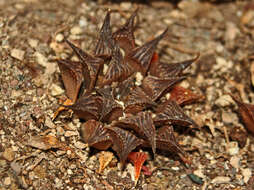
pixel 118 92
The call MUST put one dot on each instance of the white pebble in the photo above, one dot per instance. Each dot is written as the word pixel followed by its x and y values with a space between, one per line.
pixel 76 30
pixel 18 54
pixel 221 179
pixel 59 37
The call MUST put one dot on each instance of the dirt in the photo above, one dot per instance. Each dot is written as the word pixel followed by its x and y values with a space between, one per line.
pixel 31 39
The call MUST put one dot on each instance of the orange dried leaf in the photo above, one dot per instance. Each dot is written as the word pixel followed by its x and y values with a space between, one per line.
pixel 44 142
pixel 138 159
pixel 183 96
pixel 247 113
pixel 67 102
pixel 104 160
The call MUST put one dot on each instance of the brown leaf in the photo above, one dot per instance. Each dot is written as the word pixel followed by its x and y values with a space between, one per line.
pixel 183 96
pixel 45 142
pixel 154 87
pixel 170 111
pixel 91 65
pixel 110 110
pixel 140 58
pixel 87 107
pixel 247 113
pixel 138 159
pixel 165 70
pixel 166 139
pixel 117 71
pixel 137 100
pixel 124 36
pixel 104 160
pixel 105 43
pixel 124 142
pixel 142 124
pixel 94 134
pixel 124 88
pixel 72 75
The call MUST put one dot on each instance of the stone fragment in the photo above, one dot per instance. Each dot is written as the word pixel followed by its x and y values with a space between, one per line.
pixel 246 174
pixel 8 154
pixel 59 37
pixel 221 179
pixel 56 90
pixel 233 148
pixel 224 100
pixel 76 30
pixel 18 54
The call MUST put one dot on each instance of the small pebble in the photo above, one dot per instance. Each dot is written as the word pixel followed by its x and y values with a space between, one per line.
pixel 224 100
pixel 235 162
pixel 18 54
pixel 7 181
pixel 70 133
pixel 8 154
pixel 221 179
pixel 59 37
pixel 56 90
pixel 76 30
pixel 246 174
pixel 33 42
pixel 233 148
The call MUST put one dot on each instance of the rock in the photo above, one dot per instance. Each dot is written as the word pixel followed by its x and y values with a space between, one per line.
pixel 229 117
pixel 235 162
pixel 8 154
pixel 76 30
pixel 221 179
pixel 59 37
pixel 246 174
pixel 126 5
pixel 222 64
pixel 70 133
pixel 42 60
pixel 18 54
pixel 224 100
pixel 56 90
pixel 233 148
pixel 7 181
pixel 33 42
pixel 231 31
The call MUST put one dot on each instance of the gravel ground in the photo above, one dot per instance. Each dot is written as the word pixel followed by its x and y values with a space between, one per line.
pixel 31 38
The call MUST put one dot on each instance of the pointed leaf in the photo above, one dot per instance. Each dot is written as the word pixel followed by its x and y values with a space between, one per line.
pixel 142 124
pixel 105 43
pixel 137 100
pixel 124 88
pixel 170 111
pixel 154 87
pixel 124 142
pixel 110 110
pixel 117 71
pixel 140 58
pixel 138 159
pixel 247 113
pixel 163 70
pixel 88 107
pixel 72 75
pixel 91 65
pixel 94 134
pixel 125 35
pixel 183 96
pixel 166 140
